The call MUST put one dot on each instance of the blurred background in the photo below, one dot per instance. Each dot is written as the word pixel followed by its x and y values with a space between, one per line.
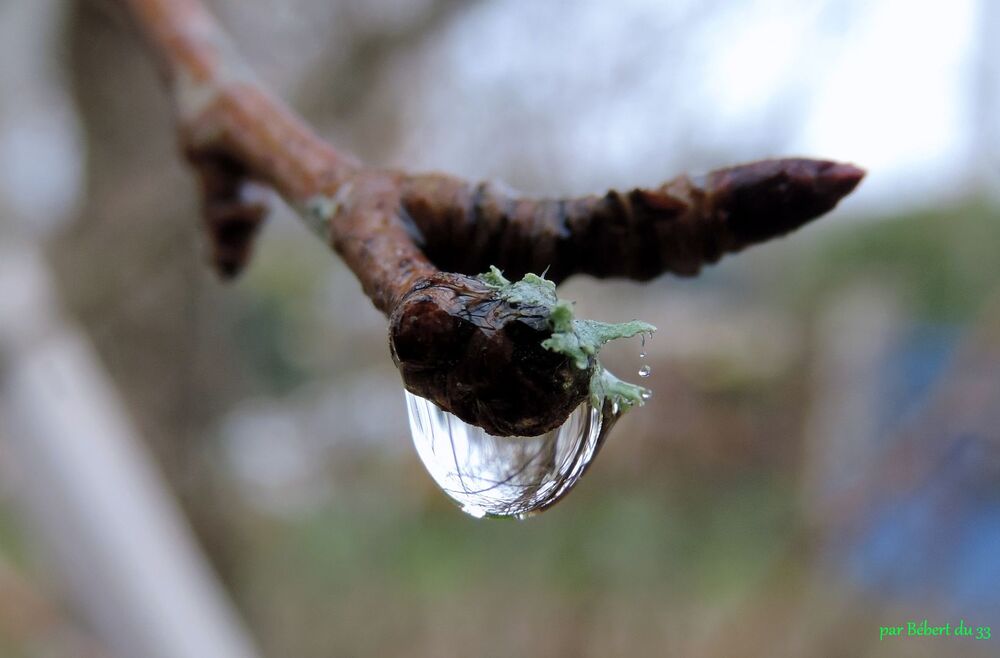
pixel 821 456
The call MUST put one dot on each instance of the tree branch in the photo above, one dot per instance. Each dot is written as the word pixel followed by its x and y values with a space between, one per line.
pixel 454 340
pixel 678 227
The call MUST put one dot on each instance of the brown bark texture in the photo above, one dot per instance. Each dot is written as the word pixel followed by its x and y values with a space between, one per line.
pixel 415 241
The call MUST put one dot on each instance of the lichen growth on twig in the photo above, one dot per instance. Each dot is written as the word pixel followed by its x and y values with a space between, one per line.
pixel 580 340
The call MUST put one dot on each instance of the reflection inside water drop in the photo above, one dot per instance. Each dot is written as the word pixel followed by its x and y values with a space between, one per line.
pixel 504 476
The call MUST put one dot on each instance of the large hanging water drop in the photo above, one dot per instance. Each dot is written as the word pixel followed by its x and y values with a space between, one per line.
pixel 504 476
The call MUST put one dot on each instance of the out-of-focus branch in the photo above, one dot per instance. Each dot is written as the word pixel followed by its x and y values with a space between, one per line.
pixel 91 491
pixel 395 229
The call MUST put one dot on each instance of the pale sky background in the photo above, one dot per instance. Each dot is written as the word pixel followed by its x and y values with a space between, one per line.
pixel 899 101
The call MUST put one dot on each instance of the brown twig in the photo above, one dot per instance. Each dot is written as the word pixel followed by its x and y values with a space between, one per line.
pixel 678 227
pixel 451 338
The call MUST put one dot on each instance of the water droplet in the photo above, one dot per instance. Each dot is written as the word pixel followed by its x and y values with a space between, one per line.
pixel 504 476
pixel 646 370
pixel 646 394
pixel 642 349
pixel 614 407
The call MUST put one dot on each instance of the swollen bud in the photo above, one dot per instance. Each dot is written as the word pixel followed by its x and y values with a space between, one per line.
pixel 480 356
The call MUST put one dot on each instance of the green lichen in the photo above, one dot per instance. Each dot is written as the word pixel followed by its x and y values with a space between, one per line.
pixel 580 340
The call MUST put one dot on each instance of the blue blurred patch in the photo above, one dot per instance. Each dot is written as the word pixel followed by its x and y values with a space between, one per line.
pixel 940 541
pixel 913 368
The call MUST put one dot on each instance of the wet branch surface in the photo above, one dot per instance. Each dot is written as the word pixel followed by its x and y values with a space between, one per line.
pixel 414 241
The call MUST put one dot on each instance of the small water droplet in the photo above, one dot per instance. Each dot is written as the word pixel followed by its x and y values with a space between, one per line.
pixel 504 476
pixel 642 349
pixel 645 371
pixel 614 408
pixel 646 394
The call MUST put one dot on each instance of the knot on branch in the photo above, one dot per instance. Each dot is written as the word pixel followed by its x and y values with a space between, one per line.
pixel 460 345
